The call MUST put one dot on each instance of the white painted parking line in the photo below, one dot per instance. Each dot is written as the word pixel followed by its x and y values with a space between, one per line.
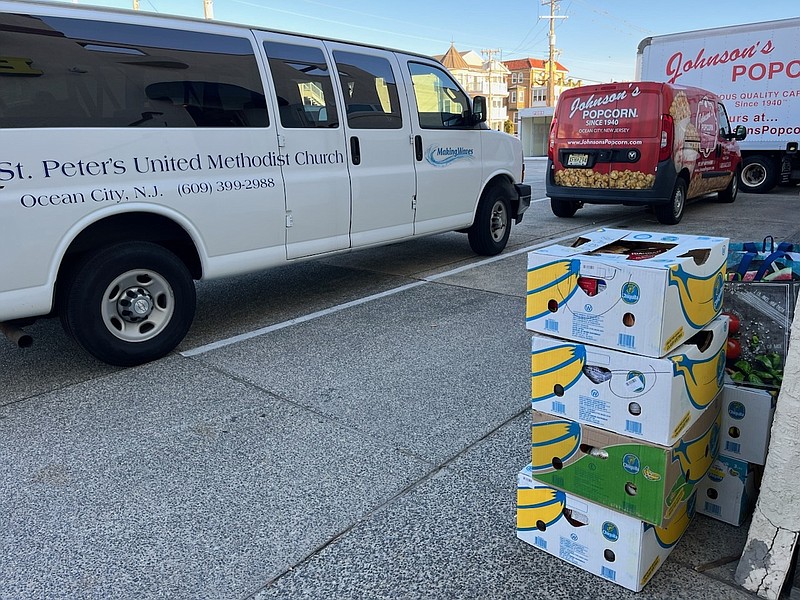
pixel 339 307
pixel 309 317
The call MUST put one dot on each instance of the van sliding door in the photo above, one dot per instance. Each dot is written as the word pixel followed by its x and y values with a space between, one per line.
pixel 379 145
pixel 311 145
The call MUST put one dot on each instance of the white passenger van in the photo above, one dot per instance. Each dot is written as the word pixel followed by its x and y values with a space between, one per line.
pixel 139 153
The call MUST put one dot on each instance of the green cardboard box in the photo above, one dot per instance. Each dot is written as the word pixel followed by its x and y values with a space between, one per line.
pixel 629 475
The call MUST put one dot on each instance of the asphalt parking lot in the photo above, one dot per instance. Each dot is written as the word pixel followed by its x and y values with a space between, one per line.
pixel 349 427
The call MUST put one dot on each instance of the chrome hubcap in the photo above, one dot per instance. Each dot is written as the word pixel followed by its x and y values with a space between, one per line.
pixel 499 221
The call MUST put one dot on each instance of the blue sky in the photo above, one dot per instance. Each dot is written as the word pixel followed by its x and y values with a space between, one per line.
pixel 598 39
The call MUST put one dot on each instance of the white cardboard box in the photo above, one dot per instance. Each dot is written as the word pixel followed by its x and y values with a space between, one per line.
pixel 640 292
pixel 653 399
pixel 746 422
pixel 617 547
pixel 728 492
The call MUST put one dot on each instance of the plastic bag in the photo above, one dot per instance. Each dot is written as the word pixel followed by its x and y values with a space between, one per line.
pixel 764 261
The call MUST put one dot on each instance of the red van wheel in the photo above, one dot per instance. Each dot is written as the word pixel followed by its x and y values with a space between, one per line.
pixel 564 208
pixel 671 213
pixel 729 193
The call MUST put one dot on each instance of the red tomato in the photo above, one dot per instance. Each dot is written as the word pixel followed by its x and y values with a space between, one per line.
pixel 733 349
pixel 733 323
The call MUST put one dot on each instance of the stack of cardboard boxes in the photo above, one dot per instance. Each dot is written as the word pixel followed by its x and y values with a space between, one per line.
pixel 761 314
pixel 627 362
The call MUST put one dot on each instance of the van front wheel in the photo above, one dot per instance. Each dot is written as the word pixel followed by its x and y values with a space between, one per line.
pixel 671 213
pixel 488 235
pixel 128 303
pixel 729 193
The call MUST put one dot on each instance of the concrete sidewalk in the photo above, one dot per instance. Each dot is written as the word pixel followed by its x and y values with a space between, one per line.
pixel 371 452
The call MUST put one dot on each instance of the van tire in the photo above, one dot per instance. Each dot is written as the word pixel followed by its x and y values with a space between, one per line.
pixel 729 194
pixel 671 213
pixel 564 208
pixel 97 306
pixel 489 233
pixel 759 174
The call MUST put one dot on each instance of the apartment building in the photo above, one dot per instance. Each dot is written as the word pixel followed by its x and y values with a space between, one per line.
pixel 527 85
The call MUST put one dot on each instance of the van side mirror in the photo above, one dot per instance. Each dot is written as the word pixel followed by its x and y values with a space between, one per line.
pixel 478 110
pixel 740 133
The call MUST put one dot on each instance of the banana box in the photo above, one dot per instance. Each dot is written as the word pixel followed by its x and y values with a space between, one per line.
pixel 652 399
pixel 747 415
pixel 644 293
pixel 728 492
pixel 607 543
pixel 634 477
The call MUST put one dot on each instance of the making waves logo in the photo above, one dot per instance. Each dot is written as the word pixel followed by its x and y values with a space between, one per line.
pixel 440 156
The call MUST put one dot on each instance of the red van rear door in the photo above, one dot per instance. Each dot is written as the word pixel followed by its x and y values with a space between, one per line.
pixel 607 136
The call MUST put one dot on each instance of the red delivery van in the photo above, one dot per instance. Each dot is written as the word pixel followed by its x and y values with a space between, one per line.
pixel 641 143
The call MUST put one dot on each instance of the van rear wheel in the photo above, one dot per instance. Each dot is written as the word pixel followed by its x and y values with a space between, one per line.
pixel 128 303
pixel 564 208
pixel 489 233
pixel 671 213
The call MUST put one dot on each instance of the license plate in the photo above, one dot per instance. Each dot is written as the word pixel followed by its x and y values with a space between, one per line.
pixel 577 160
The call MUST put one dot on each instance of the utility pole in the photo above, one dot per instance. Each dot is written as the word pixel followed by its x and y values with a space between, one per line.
pixel 490 54
pixel 208 9
pixel 135 4
pixel 551 63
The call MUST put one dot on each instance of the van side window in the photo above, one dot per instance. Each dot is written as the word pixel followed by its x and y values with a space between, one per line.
pixel 724 124
pixel 57 72
pixel 440 102
pixel 369 90
pixel 303 85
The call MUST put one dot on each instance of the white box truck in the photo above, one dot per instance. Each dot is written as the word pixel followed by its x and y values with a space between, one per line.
pixel 755 69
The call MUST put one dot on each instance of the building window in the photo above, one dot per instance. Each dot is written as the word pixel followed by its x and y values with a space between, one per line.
pixel 522 96
pixel 513 97
pixel 538 94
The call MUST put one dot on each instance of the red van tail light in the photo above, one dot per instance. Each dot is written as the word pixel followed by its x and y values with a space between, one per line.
pixel 667 134
pixel 551 143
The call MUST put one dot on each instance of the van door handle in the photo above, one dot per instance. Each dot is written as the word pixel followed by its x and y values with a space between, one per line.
pixel 418 146
pixel 355 150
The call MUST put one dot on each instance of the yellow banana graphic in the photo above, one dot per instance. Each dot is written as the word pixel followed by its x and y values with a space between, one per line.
pixel 703 378
pixel 558 365
pixel 539 507
pixel 696 455
pixel 553 439
pixel 680 491
pixel 668 536
pixel 550 286
pixel 701 297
